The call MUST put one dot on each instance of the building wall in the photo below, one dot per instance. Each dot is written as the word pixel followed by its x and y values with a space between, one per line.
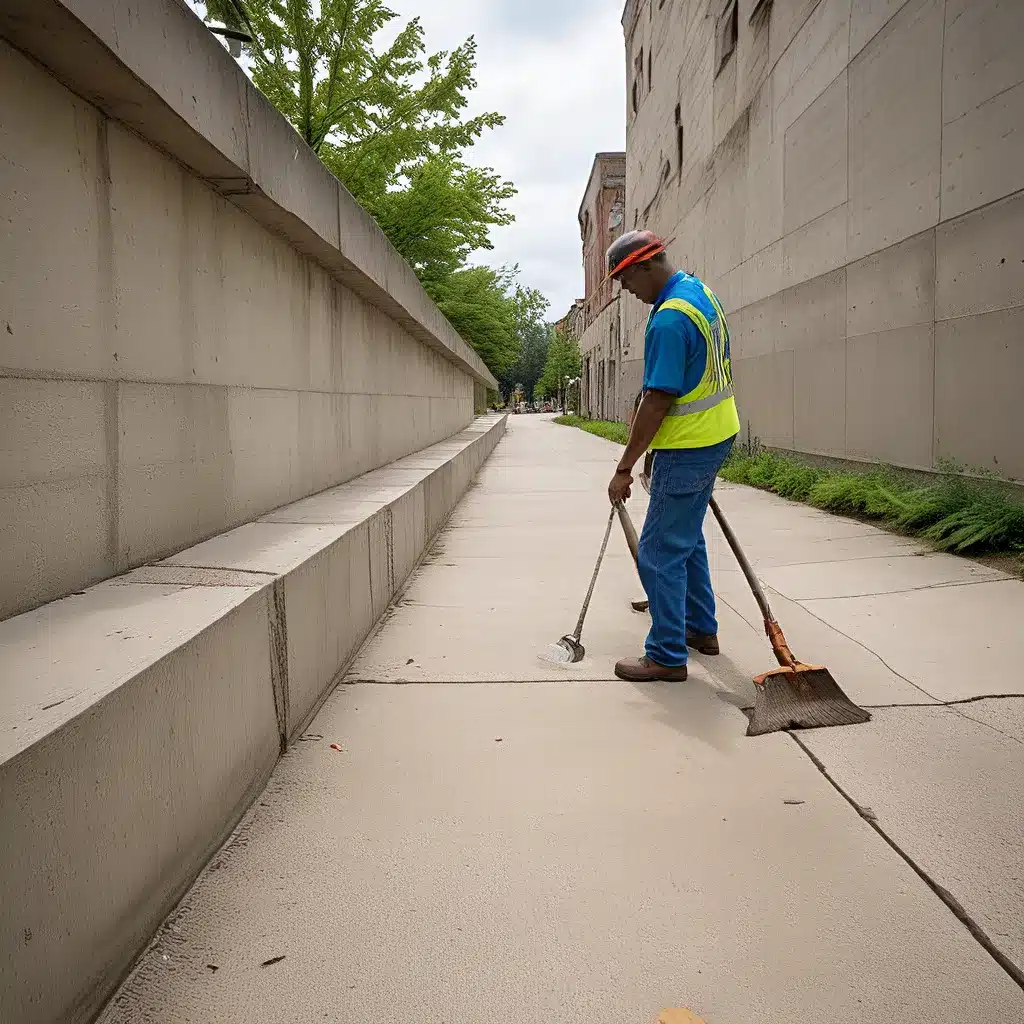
pixel 602 219
pixel 850 181
pixel 180 355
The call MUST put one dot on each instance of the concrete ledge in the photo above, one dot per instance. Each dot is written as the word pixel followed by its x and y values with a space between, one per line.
pixel 140 718
pixel 165 76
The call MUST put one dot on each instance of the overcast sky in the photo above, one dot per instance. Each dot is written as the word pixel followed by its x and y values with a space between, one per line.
pixel 555 69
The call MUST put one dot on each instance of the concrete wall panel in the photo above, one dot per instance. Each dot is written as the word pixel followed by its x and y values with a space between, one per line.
pixel 764 396
pixel 983 152
pixel 328 617
pixel 71 535
pixel 174 460
pixel 867 19
pixel 817 56
pixel 817 248
pixel 892 288
pixel 813 313
pixel 889 399
pixel 757 329
pixel 979 366
pixel 765 199
pixel 761 274
pixel 819 399
pixel 110 817
pixel 979 261
pixel 55 226
pixel 981 53
pixel 816 158
pixel 896 130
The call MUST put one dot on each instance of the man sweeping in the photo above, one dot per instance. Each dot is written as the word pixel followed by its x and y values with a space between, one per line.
pixel 688 419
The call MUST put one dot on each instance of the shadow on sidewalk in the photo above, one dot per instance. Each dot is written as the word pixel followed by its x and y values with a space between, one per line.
pixel 694 708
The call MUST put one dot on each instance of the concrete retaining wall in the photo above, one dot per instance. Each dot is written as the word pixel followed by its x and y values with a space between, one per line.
pixel 141 717
pixel 197 321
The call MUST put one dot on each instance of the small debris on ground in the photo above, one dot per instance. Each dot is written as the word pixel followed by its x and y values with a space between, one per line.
pixel 337 747
pixel 866 813
pixel 310 737
pixel 793 803
pixel 212 967
pixel 498 739
pixel 273 960
pixel 410 661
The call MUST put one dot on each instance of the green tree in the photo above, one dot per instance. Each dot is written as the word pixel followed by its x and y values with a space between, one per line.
pixel 562 364
pixel 494 313
pixel 391 125
pixel 528 367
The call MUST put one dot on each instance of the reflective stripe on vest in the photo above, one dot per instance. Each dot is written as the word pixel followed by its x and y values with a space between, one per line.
pixel 706 415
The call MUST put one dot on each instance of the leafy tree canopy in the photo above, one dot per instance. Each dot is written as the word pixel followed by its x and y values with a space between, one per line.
pixel 390 123
pixel 563 361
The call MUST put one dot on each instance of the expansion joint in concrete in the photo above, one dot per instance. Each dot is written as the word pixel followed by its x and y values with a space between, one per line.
pixel 279 658
pixel 952 903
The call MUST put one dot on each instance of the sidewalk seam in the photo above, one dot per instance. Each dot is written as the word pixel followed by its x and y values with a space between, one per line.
pixel 951 902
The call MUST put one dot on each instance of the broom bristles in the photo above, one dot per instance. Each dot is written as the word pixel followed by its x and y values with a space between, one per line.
pixel 805 697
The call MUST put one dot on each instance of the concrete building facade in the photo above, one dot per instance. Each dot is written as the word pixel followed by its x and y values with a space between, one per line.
pixel 848 175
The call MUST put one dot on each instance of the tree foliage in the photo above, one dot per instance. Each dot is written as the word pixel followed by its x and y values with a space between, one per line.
pixel 563 362
pixel 491 309
pixel 391 125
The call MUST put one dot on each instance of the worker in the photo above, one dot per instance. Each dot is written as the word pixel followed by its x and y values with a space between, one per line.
pixel 687 418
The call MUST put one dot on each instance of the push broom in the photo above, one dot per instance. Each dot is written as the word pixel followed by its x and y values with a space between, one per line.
pixel 794 695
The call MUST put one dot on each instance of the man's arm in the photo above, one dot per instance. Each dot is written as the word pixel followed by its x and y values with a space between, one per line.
pixel 653 409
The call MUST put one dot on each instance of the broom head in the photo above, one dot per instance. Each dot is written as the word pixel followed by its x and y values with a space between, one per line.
pixel 801 697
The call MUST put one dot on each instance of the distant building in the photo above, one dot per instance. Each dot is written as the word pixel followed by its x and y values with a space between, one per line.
pixel 602 218
pixel 571 325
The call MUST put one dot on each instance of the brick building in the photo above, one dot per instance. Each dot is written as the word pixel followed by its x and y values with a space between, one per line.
pixel 602 218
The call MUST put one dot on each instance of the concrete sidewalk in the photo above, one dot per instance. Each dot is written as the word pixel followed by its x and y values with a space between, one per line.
pixel 542 844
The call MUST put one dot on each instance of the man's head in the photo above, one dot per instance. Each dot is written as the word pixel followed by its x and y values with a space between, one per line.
pixel 638 262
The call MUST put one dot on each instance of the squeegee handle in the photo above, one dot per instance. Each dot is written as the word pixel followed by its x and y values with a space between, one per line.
pixel 628 529
pixel 593 579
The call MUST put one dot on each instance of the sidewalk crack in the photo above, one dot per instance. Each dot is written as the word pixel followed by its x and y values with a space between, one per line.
pixel 952 903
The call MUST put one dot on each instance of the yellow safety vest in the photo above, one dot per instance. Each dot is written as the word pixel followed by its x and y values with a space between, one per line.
pixel 706 415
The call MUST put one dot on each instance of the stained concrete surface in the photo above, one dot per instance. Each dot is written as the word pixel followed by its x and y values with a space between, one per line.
pixel 566 847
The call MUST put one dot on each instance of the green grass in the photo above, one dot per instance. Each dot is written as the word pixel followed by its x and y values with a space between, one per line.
pixel 955 513
pixel 617 432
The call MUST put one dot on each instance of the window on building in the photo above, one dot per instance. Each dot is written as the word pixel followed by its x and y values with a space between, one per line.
pixel 679 139
pixel 727 34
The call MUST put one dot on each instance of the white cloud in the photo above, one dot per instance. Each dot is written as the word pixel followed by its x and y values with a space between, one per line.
pixel 555 69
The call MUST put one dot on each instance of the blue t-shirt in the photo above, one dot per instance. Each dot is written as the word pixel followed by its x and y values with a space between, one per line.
pixel 675 352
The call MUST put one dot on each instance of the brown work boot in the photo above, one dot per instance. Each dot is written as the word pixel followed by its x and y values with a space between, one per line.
pixel 643 670
pixel 703 643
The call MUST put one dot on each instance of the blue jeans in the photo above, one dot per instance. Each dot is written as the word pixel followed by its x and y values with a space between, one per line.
pixel 673 558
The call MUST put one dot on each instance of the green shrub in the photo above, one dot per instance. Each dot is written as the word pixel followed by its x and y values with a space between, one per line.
pixel 956 513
